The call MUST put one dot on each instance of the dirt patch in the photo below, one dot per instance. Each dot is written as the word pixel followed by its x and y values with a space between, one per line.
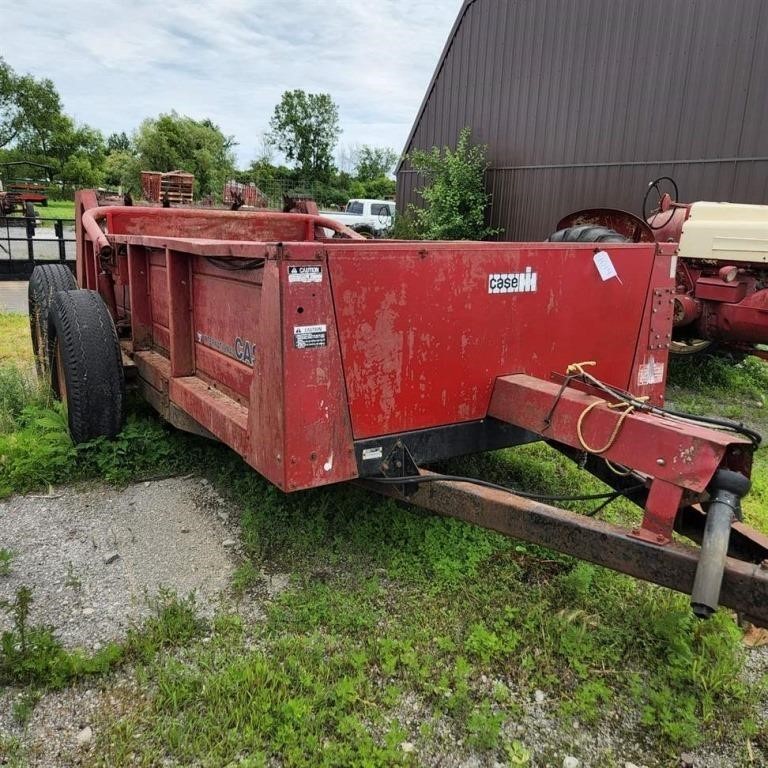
pixel 92 557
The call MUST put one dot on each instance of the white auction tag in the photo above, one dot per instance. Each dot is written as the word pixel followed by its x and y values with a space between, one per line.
pixel 605 266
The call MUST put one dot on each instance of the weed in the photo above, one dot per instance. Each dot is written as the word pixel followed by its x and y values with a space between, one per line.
pixel 73 581
pixel 31 655
pixel 484 727
pixel 25 705
pixel 483 643
pixel 18 390
pixel 720 385
pixel 12 752
pixel 174 622
pixel 246 577
pixel 6 558
pixel 719 373
pixel 517 753
pixel 41 452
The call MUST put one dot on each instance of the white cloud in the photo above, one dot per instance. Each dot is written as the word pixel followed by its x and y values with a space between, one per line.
pixel 116 63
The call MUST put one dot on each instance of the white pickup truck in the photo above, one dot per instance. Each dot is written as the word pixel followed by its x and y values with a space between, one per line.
pixel 368 217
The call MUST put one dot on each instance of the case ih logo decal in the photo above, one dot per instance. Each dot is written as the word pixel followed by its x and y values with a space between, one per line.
pixel 512 282
pixel 242 349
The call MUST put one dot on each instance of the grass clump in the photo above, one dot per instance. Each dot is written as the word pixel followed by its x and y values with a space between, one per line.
pixel 19 390
pixel 32 655
pixel 6 558
pixel 41 452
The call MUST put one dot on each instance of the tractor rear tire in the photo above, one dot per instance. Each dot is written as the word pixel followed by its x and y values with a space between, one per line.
pixel 45 282
pixel 587 233
pixel 86 364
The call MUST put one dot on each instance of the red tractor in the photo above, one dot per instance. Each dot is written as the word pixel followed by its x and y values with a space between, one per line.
pixel 721 266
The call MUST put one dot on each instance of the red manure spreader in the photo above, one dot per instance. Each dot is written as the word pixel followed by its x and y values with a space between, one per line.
pixel 321 358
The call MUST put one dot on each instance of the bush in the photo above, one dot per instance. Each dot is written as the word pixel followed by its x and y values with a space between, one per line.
pixel 454 196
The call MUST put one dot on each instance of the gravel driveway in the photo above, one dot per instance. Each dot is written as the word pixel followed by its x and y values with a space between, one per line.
pixel 92 556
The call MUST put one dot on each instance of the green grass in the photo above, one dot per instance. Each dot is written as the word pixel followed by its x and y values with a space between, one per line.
pixel 6 559
pixel 388 621
pixel 15 341
pixel 56 209
pixel 720 385
pixel 32 655
pixel 388 606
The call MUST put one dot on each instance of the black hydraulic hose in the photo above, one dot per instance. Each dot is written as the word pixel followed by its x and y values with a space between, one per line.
pixel 735 426
pixel 431 478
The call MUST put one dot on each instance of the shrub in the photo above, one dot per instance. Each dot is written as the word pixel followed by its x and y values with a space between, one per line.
pixel 454 196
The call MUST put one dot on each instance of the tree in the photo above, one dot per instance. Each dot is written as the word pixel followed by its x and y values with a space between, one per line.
pixel 305 128
pixel 373 162
pixel 176 142
pixel 118 142
pixel 30 109
pixel 122 169
pixel 454 195
pixel 9 109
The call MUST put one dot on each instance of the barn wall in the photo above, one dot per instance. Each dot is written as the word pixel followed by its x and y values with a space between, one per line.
pixel 582 102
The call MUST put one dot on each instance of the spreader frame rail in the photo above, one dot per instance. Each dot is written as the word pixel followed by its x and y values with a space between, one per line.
pixel 673 565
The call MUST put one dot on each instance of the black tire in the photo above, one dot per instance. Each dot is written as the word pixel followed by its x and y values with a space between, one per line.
pixel 86 364
pixel 587 234
pixel 46 280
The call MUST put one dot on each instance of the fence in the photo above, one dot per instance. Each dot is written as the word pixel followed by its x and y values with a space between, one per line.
pixel 26 241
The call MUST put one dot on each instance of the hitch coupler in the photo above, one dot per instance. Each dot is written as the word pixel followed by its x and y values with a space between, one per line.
pixel 726 491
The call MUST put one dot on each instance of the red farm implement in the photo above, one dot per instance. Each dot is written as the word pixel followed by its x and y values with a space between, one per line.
pixel 324 358
pixel 18 194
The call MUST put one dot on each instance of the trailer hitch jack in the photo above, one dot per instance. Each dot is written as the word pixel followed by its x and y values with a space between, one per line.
pixel 726 489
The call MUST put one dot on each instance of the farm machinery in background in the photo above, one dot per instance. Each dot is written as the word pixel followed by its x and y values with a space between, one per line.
pixel 720 267
pixel 321 357
pixel 171 188
pixel 22 194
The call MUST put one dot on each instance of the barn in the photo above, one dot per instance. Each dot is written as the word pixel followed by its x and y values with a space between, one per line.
pixel 583 102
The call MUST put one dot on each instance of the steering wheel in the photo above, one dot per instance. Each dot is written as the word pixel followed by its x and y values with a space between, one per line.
pixel 384 215
pixel 664 202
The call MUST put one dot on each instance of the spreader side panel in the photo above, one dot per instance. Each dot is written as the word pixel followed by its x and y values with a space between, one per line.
pixel 424 333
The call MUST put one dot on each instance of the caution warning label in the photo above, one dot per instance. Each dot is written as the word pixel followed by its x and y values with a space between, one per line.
pixel 310 336
pixel 309 273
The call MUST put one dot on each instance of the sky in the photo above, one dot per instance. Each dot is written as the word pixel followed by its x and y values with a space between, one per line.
pixel 116 62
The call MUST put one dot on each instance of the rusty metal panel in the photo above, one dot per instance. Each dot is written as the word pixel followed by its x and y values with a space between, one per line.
pixel 423 343
pixel 581 104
